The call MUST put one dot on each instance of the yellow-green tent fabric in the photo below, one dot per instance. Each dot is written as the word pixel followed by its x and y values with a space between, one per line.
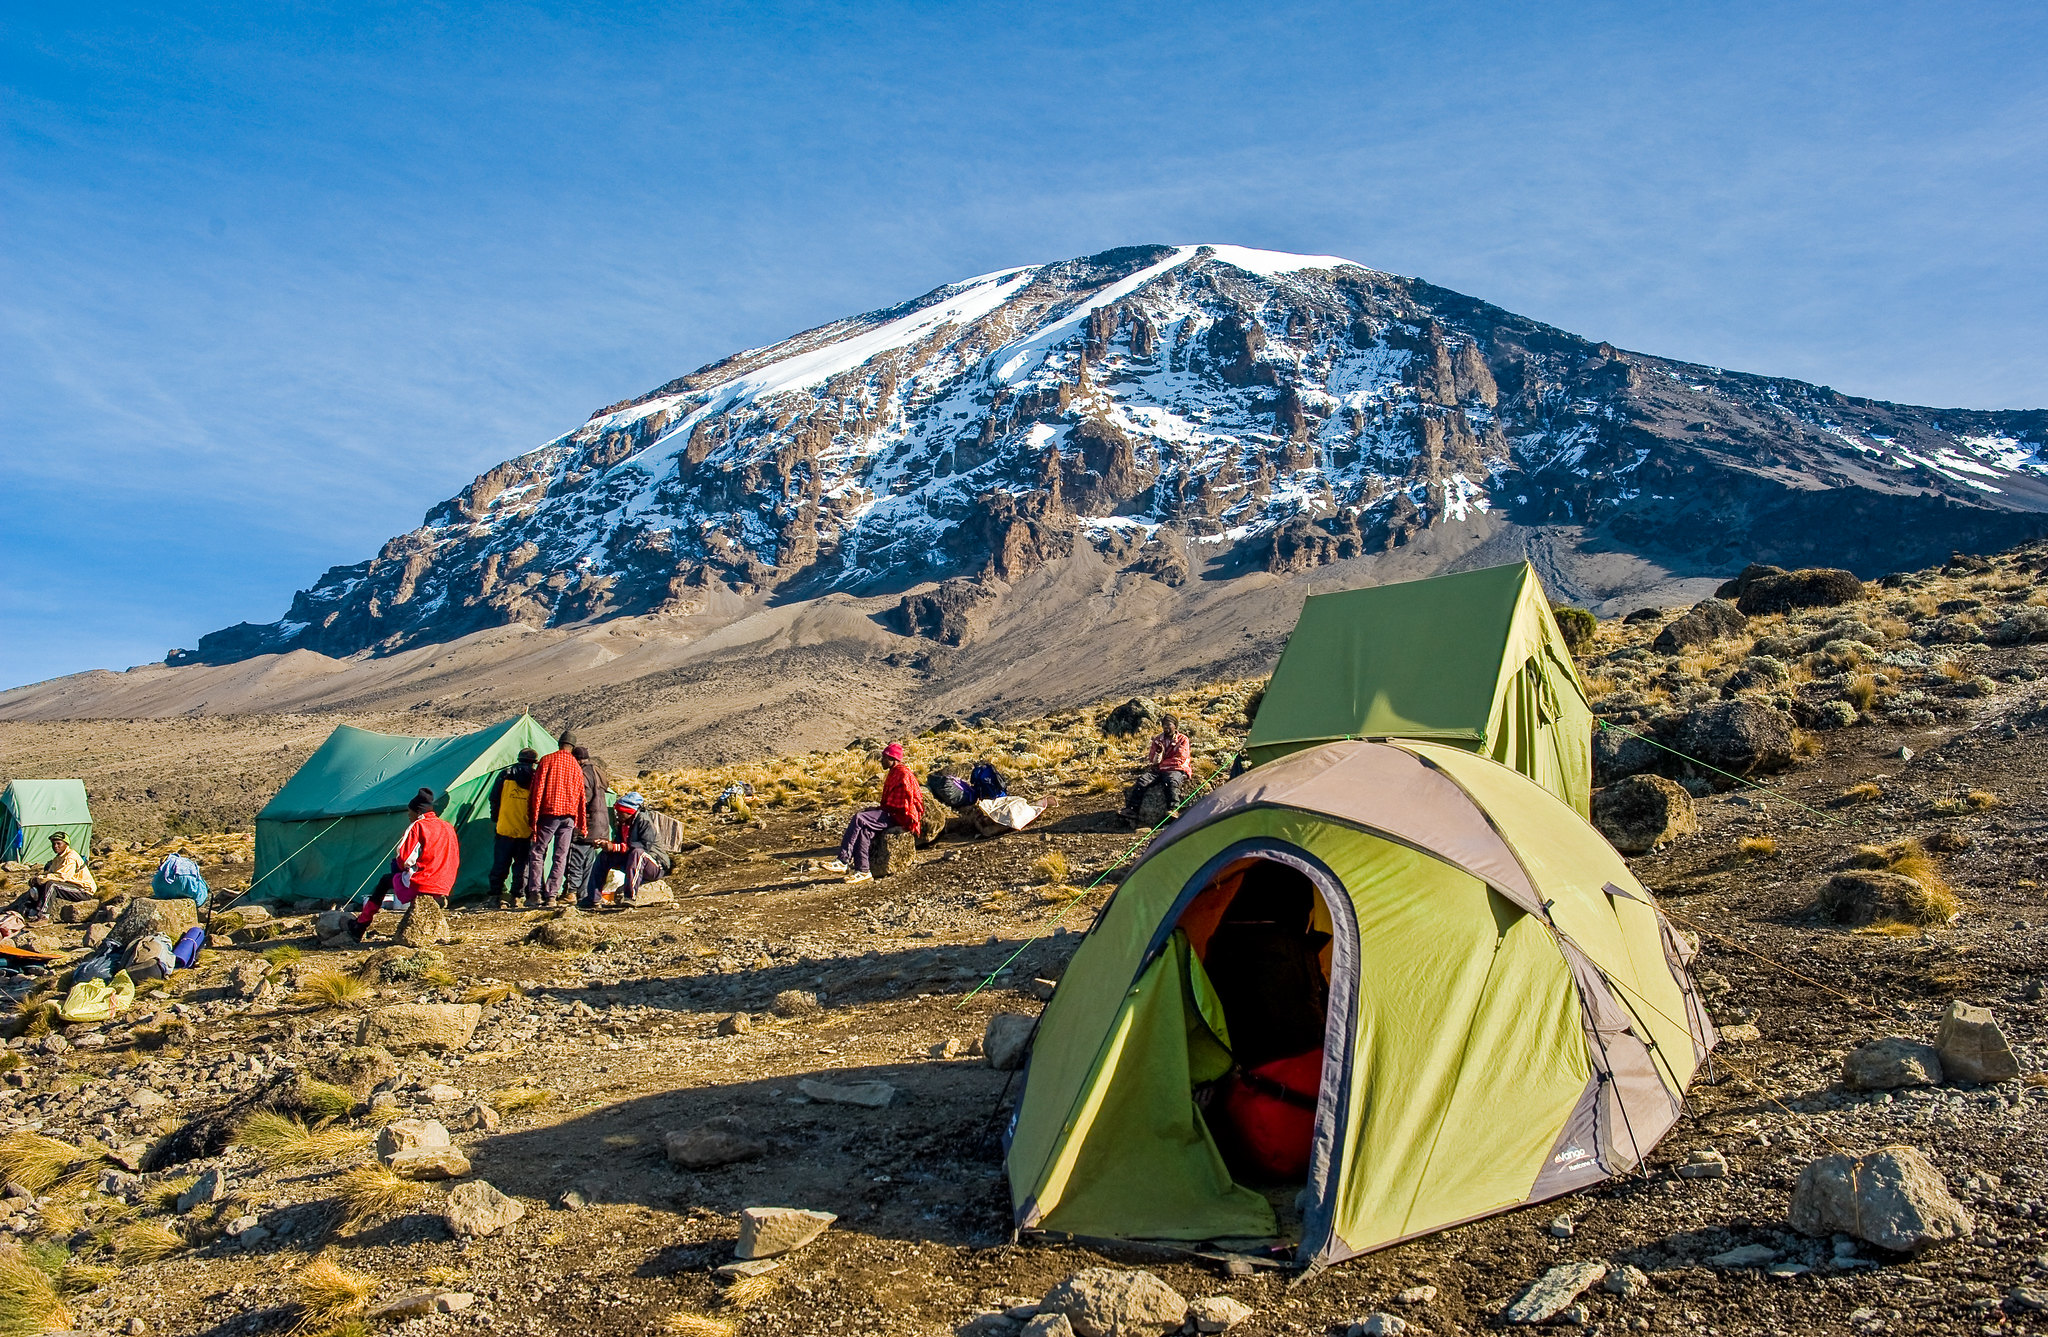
pixel 31 811
pixel 331 830
pixel 1474 659
pixel 1509 1016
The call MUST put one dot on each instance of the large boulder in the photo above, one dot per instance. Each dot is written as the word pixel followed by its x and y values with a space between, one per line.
pixel 1973 1047
pixel 1618 755
pixel 1133 716
pixel 1007 1040
pixel 1751 574
pixel 425 924
pixel 1738 736
pixel 892 853
pixel 1890 1063
pixel 476 1208
pixel 1708 621
pixel 1892 1198
pixel 1154 805
pixel 769 1232
pixel 168 916
pixel 406 1028
pixel 361 1069
pixel 950 614
pixel 1111 1302
pixel 403 1135
pixel 1643 812
pixel 1815 587
pixel 1869 896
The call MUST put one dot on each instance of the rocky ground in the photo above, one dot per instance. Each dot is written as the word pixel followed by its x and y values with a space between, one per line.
pixel 766 974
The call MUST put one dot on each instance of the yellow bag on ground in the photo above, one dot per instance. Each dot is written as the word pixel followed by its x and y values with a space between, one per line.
pixel 98 1000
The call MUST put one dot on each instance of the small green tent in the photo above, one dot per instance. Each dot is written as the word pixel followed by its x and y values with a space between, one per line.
pixel 1498 1011
pixel 332 828
pixel 1474 660
pixel 31 811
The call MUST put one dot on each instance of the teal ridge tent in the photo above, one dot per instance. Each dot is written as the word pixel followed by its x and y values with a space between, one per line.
pixel 331 829
pixel 31 811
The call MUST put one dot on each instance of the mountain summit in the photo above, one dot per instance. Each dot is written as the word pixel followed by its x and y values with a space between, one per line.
pixel 1184 411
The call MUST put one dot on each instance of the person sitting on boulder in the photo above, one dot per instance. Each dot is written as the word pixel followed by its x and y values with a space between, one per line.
pixel 64 878
pixel 428 857
pixel 902 809
pixel 1168 762
pixel 644 850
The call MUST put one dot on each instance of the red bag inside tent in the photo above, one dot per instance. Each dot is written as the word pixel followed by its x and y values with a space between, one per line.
pixel 1267 1115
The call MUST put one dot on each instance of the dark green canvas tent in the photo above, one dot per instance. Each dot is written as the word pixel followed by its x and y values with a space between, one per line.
pixel 1474 660
pixel 332 828
pixel 31 811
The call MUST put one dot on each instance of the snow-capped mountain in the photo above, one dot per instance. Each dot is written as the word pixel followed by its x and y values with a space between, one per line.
pixel 1182 409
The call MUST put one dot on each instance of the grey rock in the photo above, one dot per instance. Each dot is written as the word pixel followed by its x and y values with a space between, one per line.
pixel 479 1117
pixel 752 1267
pixel 1379 1324
pixel 1416 1295
pixel 1560 1227
pixel 1890 1063
pixel 1644 811
pixel 769 1232
pixel 1133 716
pixel 211 1186
pixel 1048 1325
pixel 401 1135
pixel 1007 1040
pixel 1625 1280
pixel 1218 1313
pixel 425 924
pixel 739 1023
pixel 406 1028
pixel 169 916
pixel 1111 1302
pixel 476 1208
pixel 869 1095
pixel 1973 1047
pixel 1738 736
pixel 718 1142
pixel 795 1003
pixel 1708 621
pixel 1550 1294
pixel 246 980
pixel 1704 1164
pixel 1892 1198
pixel 429 1163
pixel 1747 1255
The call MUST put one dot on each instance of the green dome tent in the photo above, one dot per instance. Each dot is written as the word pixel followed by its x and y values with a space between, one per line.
pixel 1474 660
pixel 31 811
pixel 332 828
pixel 1504 1015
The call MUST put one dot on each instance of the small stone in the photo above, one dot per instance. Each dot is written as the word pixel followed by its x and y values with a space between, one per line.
pixel 1007 1040
pixel 769 1232
pixel 211 1186
pixel 453 1302
pixel 137 1327
pixel 1892 1198
pixel 242 1223
pixel 1741 1033
pixel 1416 1295
pixel 795 1003
pixel 1050 1325
pixel 412 1304
pixel 479 1117
pixel 440 1093
pixel 425 924
pixel 402 1135
pixel 1549 1294
pixel 1560 1227
pixel 1891 1063
pixel 120 1184
pixel 429 1163
pixel 1973 1047
pixel 946 1049
pixel 739 1023
pixel 247 979
pixel 752 1267
pixel 1748 1255
pixel 724 1141
pixel 476 1208
pixel 1704 1164
pixel 1788 1269
pixel 1625 1280
pixel 130 1156
pixel 1042 989
pixel 657 892
pixel 2032 1298
pixel 1215 1313
pixel 868 1095
pixel 1111 1302
pixel 1379 1324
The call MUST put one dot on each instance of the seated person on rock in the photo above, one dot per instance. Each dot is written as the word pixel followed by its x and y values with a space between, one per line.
pixel 902 809
pixel 643 849
pixel 1169 763
pixel 64 878
pixel 428 857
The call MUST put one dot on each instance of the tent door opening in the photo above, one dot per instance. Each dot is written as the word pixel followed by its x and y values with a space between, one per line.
pixel 1261 931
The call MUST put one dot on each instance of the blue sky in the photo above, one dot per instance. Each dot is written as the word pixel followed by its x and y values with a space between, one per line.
pixel 275 278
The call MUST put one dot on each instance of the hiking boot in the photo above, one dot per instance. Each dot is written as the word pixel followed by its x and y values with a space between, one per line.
pixel 358 929
pixel 860 875
pixel 838 866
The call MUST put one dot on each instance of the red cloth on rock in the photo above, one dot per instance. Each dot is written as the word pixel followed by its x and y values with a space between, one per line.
pixel 903 797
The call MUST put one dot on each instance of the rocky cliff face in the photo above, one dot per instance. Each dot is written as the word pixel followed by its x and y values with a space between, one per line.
pixel 1185 410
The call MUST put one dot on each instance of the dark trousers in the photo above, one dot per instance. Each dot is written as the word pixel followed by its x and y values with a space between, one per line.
pixel 582 858
pixel 1176 783
pixel 860 836
pixel 509 857
pixel 550 834
pixel 53 891
pixel 637 866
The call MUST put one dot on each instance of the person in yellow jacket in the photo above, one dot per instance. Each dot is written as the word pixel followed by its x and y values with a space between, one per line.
pixel 514 819
pixel 64 877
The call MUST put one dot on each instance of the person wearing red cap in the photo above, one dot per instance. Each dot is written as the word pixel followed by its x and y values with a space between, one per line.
pixel 902 807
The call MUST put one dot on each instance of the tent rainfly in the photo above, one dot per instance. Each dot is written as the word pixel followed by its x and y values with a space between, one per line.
pixel 1474 660
pixel 31 811
pixel 1497 1011
pixel 332 828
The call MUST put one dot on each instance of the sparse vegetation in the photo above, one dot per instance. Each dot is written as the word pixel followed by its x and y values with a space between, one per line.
pixel 1869 791
pixel 749 1291
pixel 1757 847
pixel 323 1102
pixel 329 1292
pixel 330 988
pixel 490 995
pixel 281 955
pixel 685 1324
pixel 36 1162
pixel 514 1099
pixel 285 1143
pixel 371 1191
pixel 29 1301
pixel 1050 869
pixel 145 1242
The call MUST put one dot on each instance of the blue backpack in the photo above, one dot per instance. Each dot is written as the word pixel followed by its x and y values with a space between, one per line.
pixel 177 877
pixel 988 781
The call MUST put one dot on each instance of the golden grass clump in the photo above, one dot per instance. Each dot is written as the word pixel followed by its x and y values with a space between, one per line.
pixel 1805 744
pixel 76 1277
pixel 1757 847
pixel 282 955
pixel 514 1099
pixel 748 1291
pixel 684 1324
pixel 1051 868
pixel 490 995
pixel 439 977
pixel 324 1102
pixel 1861 691
pixel 1980 799
pixel 61 1220
pixel 329 1292
pixel 164 1197
pixel 29 1300
pixel 36 1162
pixel 1867 792
pixel 331 988
pixel 145 1242
pixel 285 1143
pixel 371 1191
pixel 1934 900
pixel 1103 783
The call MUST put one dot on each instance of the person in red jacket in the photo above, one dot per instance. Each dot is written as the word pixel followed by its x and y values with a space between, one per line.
pixel 428 857
pixel 902 807
pixel 560 814
pixel 1169 762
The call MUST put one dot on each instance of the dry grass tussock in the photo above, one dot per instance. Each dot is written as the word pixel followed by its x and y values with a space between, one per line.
pixel 29 1300
pixel 145 1242
pixel 371 1191
pixel 490 995
pixel 685 1324
pixel 329 1292
pixel 1936 901
pixel 1051 868
pixel 1757 847
pixel 514 1099
pixel 1867 792
pixel 37 1162
pixel 285 1143
pixel 749 1291
pixel 331 988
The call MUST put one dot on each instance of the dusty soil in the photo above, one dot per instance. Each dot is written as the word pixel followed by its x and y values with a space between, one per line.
pixel 627 1038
